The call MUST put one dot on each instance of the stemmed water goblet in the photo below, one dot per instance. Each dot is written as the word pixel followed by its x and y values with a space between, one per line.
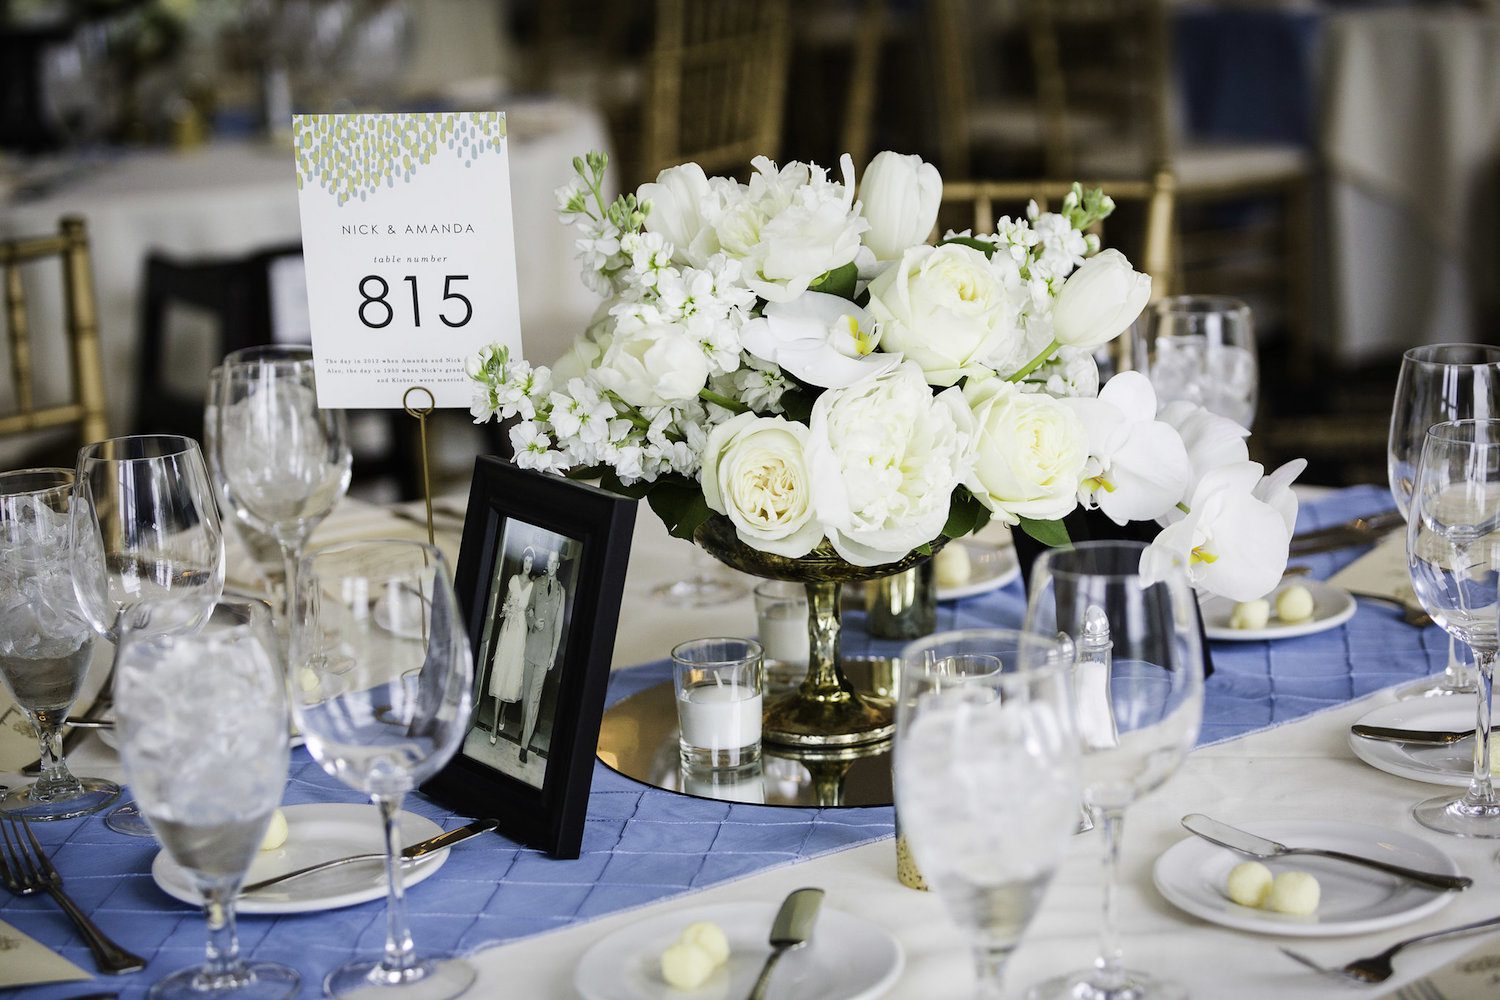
pixel 283 462
pixel 1453 550
pixel 145 545
pixel 206 752
pixel 986 779
pixel 1438 383
pixel 1201 348
pixel 383 701
pixel 1138 687
pixel 262 548
pixel 46 643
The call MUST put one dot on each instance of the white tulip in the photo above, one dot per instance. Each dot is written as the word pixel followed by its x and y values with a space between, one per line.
pixel 822 339
pixel 1099 301
pixel 755 472
pixel 946 309
pixel 1029 451
pixel 1138 468
pixel 885 456
pixel 899 197
pixel 652 365
pixel 1212 442
pixel 679 198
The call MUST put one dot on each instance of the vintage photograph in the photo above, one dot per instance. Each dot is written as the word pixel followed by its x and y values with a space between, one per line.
pixel 524 642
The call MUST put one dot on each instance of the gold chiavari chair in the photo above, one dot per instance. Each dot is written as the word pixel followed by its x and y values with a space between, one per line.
pixel 1152 202
pixel 716 84
pixel 84 407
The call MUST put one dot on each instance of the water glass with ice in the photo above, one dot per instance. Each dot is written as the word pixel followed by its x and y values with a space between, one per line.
pixel 1201 348
pixel 201 719
pixel 719 694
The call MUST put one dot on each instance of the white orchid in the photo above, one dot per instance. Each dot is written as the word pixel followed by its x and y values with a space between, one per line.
pixel 1212 441
pixel 1138 468
pixel 822 339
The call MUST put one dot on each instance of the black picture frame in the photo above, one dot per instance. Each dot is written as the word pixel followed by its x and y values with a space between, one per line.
pixel 540 796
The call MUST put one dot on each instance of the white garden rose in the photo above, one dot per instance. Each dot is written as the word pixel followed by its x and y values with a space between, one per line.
pixel 946 309
pixel 1099 301
pixel 1029 451
pixel 680 197
pixel 885 456
pixel 898 196
pixel 655 364
pixel 755 472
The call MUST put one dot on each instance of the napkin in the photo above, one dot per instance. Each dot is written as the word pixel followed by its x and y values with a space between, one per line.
pixel 26 962
pixel 1476 974
pixel 1382 571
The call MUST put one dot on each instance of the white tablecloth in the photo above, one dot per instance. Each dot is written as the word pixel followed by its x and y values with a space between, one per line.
pixel 233 198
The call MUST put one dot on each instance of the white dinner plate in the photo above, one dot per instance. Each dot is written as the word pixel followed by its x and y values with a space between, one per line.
pixel 848 958
pixel 1451 765
pixel 991 566
pixel 1191 875
pixel 318 832
pixel 1332 606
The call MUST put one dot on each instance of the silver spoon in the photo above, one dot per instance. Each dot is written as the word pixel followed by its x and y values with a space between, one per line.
pixel 791 930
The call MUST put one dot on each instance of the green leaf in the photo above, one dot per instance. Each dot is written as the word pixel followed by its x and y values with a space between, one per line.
pixel 679 502
pixel 965 514
pixel 1052 534
pixel 840 281
pixel 983 246
pixel 797 404
pixel 609 480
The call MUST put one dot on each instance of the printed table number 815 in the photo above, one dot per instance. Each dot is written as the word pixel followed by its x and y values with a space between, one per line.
pixel 373 303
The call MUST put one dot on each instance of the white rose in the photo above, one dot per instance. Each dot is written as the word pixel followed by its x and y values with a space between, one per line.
pixel 1099 301
pixel 1029 451
pixel 885 456
pixel 679 198
pixel 899 197
pixel 946 309
pixel 653 365
pixel 755 471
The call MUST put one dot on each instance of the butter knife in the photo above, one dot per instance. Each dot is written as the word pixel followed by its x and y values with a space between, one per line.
pixel 418 850
pixel 1416 737
pixel 1359 531
pixel 1242 842
pixel 790 931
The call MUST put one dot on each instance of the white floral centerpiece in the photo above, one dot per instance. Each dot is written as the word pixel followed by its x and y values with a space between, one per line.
pixel 792 355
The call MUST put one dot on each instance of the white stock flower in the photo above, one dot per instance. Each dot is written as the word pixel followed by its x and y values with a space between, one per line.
pixel 885 456
pixel 1234 542
pixel 1211 441
pixel 758 384
pixel 946 309
pixel 1099 301
pixel 822 339
pixel 679 198
pixel 1070 372
pixel 755 472
pixel 533 448
pixel 654 364
pixel 1029 451
pixel 899 197
pixel 1138 468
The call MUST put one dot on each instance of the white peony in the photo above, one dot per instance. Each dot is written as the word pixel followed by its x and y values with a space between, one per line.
pixel 1029 451
pixel 1138 468
pixel 822 339
pixel 755 471
pixel 899 197
pixel 654 364
pixel 946 309
pixel 885 456
pixel 1099 301
pixel 680 197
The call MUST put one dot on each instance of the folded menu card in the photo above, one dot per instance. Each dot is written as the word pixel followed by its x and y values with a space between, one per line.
pixel 1383 571
pixel 25 962
pixel 1477 974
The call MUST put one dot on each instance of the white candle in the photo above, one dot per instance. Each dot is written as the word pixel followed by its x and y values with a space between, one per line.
pixel 719 717
pixel 783 632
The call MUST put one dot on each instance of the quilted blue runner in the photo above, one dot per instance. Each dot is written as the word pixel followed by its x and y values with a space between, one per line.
pixel 643 845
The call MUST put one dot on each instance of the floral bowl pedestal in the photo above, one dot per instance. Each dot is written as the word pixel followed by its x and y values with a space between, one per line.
pixel 825 712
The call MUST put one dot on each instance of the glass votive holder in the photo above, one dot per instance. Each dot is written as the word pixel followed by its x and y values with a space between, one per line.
pixel 718 686
pixel 781 620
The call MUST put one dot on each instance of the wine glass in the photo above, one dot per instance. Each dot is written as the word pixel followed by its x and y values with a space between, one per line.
pixel 46 644
pixel 383 700
pixel 145 545
pixel 202 722
pixel 707 586
pixel 1201 348
pixel 1453 549
pixel 263 549
pixel 1437 383
pixel 987 779
pixel 1138 685
pixel 283 461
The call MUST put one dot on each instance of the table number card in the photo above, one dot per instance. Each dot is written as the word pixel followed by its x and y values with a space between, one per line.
pixel 406 231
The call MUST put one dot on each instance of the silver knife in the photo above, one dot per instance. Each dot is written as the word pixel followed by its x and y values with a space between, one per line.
pixel 1242 842
pixel 790 931
pixel 418 850
pixel 1416 737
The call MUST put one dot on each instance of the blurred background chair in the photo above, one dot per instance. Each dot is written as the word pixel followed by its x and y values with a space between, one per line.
pixel 40 422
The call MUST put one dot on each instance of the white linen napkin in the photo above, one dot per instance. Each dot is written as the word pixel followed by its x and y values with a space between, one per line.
pixel 28 962
pixel 1382 571
pixel 1476 974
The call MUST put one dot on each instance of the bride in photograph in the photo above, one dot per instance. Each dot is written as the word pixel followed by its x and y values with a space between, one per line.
pixel 508 668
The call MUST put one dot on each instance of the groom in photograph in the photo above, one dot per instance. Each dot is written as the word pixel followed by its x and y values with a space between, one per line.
pixel 543 636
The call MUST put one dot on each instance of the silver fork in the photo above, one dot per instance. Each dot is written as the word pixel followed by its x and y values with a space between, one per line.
pixel 26 870
pixel 1378 968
